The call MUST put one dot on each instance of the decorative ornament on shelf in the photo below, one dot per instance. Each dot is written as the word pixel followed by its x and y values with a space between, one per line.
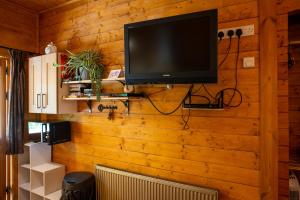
pixel 50 48
pixel 114 74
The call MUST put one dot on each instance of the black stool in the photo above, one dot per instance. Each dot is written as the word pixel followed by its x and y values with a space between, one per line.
pixel 79 186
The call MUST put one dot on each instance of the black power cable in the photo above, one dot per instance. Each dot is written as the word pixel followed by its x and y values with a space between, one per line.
pixel 173 111
pixel 215 98
pixel 236 70
pixel 185 119
pixel 226 55
pixel 235 88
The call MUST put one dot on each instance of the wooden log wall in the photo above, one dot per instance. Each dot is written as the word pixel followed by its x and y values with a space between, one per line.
pixel 294 95
pixel 284 7
pixel 282 31
pixel 221 149
pixel 18 27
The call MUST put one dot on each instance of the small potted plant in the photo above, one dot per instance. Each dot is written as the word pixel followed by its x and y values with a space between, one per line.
pixel 86 65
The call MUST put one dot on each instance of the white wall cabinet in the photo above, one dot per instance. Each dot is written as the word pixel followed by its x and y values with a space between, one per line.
pixel 45 88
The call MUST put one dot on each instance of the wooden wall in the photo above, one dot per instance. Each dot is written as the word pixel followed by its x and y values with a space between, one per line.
pixel 294 95
pixel 284 7
pixel 283 156
pixel 220 150
pixel 18 27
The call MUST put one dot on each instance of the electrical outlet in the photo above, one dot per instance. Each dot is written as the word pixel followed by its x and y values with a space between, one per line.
pixel 248 62
pixel 247 31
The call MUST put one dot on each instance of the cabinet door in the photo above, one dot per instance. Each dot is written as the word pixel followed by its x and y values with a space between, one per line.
pixel 35 84
pixel 49 84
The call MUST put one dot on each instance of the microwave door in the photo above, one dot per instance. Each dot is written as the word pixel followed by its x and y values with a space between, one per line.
pixel 45 134
pixel 53 136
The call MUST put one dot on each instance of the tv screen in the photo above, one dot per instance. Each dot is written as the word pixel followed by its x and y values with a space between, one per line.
pixel 179 49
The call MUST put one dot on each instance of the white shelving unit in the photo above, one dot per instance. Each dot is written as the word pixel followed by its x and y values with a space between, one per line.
pixel 39 178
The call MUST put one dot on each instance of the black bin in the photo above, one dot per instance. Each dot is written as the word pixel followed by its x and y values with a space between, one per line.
pixel 79 186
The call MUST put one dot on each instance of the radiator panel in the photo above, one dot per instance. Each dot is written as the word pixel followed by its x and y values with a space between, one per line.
pixel 115 184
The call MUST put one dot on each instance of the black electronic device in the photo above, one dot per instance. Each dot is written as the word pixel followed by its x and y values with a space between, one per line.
pixel 56 132
pixel 173 50
pixel 219 104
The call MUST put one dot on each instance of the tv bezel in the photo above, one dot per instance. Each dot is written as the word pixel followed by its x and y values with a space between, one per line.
pixel 209 76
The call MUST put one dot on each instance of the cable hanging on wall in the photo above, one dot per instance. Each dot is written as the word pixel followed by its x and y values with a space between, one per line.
pixel 212 101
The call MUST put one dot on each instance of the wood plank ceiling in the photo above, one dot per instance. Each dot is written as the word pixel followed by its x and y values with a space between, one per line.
pixel 40 5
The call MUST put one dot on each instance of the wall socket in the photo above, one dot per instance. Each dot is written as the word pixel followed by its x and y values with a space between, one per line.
pixel 247 31
pixel 248 62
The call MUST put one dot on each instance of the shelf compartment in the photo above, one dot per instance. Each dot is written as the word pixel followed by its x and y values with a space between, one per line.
pixel 39 191
pixel 26 166
pixel 24 194
pixel 25 186
pixel 36 180
pixel 36 197
pixel 54 196
pixel 40 153
pixel 58 172
pixel 46 167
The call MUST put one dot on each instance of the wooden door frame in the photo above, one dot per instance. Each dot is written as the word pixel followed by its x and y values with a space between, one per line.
pixel 268 100
pixel 3 130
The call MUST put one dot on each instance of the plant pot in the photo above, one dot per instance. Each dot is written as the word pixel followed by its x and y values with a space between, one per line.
pixel 83 73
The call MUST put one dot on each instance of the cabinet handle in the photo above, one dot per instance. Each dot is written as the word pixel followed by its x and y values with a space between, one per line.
pixel 38 100
pixel 43 95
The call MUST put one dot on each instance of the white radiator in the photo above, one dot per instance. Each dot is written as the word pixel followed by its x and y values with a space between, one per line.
pixel 114 184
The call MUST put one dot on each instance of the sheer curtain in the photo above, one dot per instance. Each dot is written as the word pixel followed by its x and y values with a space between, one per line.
pixel 15 133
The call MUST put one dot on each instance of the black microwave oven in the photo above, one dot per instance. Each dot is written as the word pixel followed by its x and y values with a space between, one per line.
pixel 51 132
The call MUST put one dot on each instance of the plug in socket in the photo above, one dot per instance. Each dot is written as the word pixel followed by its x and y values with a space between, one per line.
pixel 247 31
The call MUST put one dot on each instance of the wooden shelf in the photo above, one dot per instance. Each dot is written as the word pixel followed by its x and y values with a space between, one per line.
pixel 54 196
pixel 46 167
pixel 94 98
pixel 39 191
pixel 26 166
pixel 124 100
pixel 110 80
pixel 25 186
pixel 296 42
pixel 29 144
pixel 102 98
pixel 294 166
pixel 89 81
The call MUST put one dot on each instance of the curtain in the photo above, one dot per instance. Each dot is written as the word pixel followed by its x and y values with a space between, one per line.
pixel 15 132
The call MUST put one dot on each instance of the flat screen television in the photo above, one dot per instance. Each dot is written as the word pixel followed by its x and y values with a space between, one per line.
pixel 173 50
